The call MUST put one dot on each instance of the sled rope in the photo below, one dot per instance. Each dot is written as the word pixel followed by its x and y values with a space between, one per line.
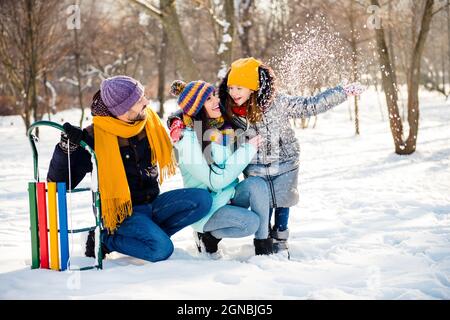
pixel 70 205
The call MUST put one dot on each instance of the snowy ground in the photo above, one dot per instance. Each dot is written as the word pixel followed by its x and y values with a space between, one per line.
pixel 369 225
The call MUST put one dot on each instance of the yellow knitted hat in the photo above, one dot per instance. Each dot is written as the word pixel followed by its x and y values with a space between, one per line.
pixel 244 73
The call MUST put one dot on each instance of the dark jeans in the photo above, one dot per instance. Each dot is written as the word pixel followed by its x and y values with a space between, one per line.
pixel 146 233
pixel 281 218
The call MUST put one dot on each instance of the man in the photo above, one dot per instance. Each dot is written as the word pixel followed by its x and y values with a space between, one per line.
pixel 130 144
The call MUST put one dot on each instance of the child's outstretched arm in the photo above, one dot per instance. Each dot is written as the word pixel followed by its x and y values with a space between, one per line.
pixel 305 107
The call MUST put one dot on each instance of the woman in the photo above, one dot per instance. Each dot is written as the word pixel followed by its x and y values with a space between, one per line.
pixel 206 161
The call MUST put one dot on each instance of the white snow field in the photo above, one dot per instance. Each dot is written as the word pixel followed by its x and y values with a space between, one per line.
pixel 370 224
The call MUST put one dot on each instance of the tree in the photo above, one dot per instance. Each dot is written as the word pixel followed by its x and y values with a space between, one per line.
pixel 162 72
pixel 77 54
pixel 225 50
pixel 167 14
pixel 351 14
pixel 245 23
pixel 408 146
pixel 30 45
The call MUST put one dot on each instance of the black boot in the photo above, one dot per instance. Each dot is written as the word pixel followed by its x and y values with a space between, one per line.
pixel 90 246
pixel 206 242
pixel 263 246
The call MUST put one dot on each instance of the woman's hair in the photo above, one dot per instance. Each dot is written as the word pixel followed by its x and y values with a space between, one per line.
pixel 258 100
pixel 202 117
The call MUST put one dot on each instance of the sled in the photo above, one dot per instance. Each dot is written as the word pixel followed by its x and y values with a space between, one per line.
pixel 48 213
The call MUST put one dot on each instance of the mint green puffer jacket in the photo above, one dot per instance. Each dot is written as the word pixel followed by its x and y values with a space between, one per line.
pixel 220 181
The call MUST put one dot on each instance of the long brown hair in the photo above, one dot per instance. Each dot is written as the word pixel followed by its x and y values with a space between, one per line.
pixel 258 101
pixel 254 112
pixel 202 117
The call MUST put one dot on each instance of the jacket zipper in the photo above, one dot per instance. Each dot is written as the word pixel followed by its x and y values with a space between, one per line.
pixel 266 167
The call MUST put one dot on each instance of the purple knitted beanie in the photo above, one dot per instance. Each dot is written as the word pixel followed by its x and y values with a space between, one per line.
pixel 120 93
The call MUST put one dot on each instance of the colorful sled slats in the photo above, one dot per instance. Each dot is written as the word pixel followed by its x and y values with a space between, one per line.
pixel 53 224
pixel 42 215
pixel 33 225
pixel 63 234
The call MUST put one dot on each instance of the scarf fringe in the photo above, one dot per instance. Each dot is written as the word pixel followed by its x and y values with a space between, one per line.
pixel 114 212
pixel 169 170
pixel 114 192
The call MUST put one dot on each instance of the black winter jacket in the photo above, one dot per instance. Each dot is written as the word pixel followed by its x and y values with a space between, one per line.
pixel 142 177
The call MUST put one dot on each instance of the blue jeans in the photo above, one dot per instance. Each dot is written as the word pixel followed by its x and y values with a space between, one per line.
pixel 146 233
pixel 235 220
pixel 281 218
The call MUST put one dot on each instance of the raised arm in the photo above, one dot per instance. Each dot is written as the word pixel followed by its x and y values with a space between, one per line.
pixel 80 162
pixel 305 107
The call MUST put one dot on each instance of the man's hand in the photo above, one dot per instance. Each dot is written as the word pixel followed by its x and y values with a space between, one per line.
pixel 74 134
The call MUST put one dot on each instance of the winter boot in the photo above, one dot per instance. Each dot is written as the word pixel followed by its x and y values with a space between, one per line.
pixel 206 242
pixel 263 246
pixel 90 246
pixel 280 243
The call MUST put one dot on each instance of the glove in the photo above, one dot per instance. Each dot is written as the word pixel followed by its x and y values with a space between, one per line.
pixel 176 130
pixel 174 116
pixel 72 133
pixel 354 89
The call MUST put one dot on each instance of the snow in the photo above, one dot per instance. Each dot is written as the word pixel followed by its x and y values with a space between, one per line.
pixel 370 224
pixel 222 71
pixel 222 48
pixel 226 38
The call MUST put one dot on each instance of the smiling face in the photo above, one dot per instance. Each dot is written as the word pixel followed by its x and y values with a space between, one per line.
pixel 212 106
pixel 137 112
pixel 240 95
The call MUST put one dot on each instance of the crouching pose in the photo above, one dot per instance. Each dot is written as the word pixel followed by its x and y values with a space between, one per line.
pixel 207 161
pixel 130 143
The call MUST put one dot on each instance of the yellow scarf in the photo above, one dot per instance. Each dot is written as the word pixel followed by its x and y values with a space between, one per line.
pixel 114 191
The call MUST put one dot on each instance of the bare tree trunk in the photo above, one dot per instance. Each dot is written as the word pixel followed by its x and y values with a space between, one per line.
pixel 389 86
pixel 227 55
pixel 77 71
pixel 32 70
pixel 245 25
pixel 448 36
pixel 171 24
pixel 162 72
pixel 354 62
pixel 414 78
pixel 47 99
pixel 27 116
pixel 443 64
pixel 391 43
pixel 167 13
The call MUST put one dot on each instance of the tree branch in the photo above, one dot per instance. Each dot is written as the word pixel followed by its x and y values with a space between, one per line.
pixel 440 9
pixel 154 11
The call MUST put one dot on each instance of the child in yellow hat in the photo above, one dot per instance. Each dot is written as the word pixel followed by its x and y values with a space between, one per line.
pixel 251 103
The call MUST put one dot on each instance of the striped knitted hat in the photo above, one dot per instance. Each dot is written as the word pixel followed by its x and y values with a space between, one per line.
pixel 191 96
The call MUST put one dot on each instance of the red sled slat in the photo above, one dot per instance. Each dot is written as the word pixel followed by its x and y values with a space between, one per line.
pixel 42 216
